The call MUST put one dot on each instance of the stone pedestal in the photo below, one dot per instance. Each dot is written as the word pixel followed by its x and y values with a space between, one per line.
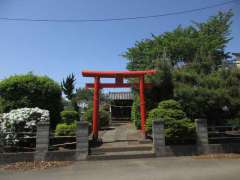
pixel 82 140
pixel 42 140
pixel 158 137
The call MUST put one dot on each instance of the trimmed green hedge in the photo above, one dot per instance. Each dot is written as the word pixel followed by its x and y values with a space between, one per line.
pixel 31 91
pixel 178 128
pixel 64 129
pixel 69 116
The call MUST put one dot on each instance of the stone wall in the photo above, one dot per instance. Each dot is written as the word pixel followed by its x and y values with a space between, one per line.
pixel 6 158
pixel 82 147
pixel 42 145
pixel 202 146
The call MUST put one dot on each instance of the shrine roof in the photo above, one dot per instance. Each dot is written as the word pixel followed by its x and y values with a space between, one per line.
pixel 120 95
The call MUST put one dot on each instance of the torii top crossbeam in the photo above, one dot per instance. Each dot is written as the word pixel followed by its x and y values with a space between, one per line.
pixel 112 74
pixel 119 76
pixel 119 82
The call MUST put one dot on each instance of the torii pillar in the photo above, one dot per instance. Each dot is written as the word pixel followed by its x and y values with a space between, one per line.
pixel 119 83
pixel 95 123
pixel 142 103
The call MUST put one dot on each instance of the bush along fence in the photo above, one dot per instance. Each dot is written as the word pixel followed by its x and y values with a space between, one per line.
pixel 42 151
pixel 205 143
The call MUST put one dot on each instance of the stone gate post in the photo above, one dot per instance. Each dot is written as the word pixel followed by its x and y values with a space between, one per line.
pixel 42 140
pixel 202 131
pixel 158 137
pixel 82 140
pixel 202 135
pixel 1 142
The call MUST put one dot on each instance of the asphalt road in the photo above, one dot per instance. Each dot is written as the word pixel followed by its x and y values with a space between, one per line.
pixel 180 168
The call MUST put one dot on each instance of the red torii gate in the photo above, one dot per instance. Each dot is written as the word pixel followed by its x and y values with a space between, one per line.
pixel 119 83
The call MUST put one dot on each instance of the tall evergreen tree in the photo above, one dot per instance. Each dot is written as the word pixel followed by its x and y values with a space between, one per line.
pixel 197 43
pixel 190 63
pixel 68 86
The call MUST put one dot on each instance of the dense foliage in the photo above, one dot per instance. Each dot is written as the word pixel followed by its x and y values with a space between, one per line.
pixel 103 116
pixel 86 95
pixel 135 113
pixel 64 129
pixel 31 91
pixel 214 96
pixel 178 128
pixel 192 69
pixel 69 116
pixel 83 94
pixel 18 121
pixel 198 42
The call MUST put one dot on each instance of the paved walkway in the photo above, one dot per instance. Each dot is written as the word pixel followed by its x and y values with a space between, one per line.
pixel 120 135
pixel 182 168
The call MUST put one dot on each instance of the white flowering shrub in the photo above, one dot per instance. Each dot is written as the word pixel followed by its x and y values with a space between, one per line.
pixel 20 120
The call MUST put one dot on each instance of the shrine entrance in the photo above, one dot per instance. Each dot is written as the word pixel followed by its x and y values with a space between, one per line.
pixel 119 83
pixel 120 106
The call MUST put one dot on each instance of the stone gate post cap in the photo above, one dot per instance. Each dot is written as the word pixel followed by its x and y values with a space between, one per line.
pixel 200 120
pixel 43 123
pixel 158 121
pixel 82 123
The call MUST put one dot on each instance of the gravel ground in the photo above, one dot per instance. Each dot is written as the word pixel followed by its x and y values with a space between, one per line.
pixel 175 168
pixel 36 165
pixel 217 156
pixel 42 165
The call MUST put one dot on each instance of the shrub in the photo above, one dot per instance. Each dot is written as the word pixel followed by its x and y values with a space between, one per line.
pixel 169 104
pixel 64 129
pixel 31 91
pixel 178 127
pixel 154 114
pixel 180 131
pixel 103 116
pixel 20 120
pixel 69 116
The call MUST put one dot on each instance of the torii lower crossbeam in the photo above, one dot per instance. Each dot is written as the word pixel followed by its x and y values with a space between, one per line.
pixel 119 83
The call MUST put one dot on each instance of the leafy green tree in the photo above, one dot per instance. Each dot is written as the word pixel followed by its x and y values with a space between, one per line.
pixel 86 95
pixel 31 91
pixel 214 96
pixel 83 94
pixel 191 68
pixel 195 43
pixel 68 86
pixel 162 82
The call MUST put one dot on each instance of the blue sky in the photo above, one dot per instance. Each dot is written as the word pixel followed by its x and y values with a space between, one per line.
pixel 57 49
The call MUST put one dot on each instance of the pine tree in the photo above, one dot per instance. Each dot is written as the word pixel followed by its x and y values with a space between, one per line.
pixel 68 86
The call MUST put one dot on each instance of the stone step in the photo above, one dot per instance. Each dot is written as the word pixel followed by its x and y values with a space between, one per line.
pixel 102 150
pixel 122 155
pixel 145 141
